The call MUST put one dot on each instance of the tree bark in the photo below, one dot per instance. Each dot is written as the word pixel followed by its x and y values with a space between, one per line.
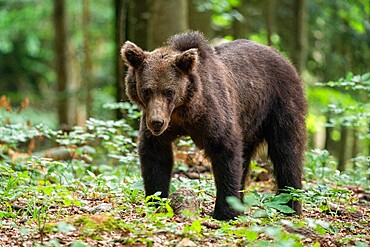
pixel 329 143
pixel 301 46
pixel 200 20
pixel 254 19
pixel 120 36
pixel 270 7
pixel 242 28
pixel 137 22
pixel 87 68
pixel 61 62
pixel 166 18
pixel 354 143
pixel 342 148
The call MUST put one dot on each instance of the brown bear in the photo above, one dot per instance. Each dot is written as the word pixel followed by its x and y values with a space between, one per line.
pixel 229 99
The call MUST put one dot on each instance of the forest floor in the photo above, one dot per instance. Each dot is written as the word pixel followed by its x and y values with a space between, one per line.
pixel 97 212
pixel 83 188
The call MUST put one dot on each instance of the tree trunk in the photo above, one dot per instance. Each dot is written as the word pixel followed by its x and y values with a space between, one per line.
pixel 270 7
pixel 61 62
pixel 166 18
pixel 301 46
pixel 76 112
pixel 254 18
pixel 342 148
pixel 242 28
pixel 329 143
pixel 137 22
pixel 200 21
pixel 354 143
pixel 286 24
pixel 120 27
pixel 87 68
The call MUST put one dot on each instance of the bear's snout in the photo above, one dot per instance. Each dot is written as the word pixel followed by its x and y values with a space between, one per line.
pixel 157 115
pixel 157 123
pixel 156 126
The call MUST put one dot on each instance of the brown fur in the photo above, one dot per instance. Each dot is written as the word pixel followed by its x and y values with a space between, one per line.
pixel 229 99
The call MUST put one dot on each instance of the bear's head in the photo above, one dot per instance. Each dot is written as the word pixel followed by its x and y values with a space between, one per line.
pixel 158 81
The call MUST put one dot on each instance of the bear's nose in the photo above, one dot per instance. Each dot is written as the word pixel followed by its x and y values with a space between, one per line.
pixel 157 123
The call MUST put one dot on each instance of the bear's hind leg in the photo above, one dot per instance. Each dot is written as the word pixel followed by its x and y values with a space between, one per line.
pixel 286 143
pixel 248 153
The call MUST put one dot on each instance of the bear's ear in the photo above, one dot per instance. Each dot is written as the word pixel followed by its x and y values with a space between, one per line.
pixel 132 54
pixel 186 60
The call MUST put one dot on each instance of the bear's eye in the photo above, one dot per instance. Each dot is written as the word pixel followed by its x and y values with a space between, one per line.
pixel 146 92
pixel 169 93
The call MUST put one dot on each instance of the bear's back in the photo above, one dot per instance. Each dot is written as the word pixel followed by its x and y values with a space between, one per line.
pixel 255 65
pixel 261 77
pixel 253 61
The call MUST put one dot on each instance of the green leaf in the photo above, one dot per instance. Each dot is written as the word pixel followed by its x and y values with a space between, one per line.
pixel 320 230
pixel 263 243
pixel 24 230
pixel 53 242
pixel 91 174
pixel 260 213
pixel 272 231
pixel 251 235
pixel 250 200
pixel 281 208
pixel 317 244
pixel 282 198
pixel 169 210
pixel 47 190
pixel 78 244
pixel 196 226
pixel 361 244
pixel 236 204
pixel 65 227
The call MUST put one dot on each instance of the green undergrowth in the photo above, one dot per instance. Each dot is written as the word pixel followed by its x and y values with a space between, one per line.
pixel 95 195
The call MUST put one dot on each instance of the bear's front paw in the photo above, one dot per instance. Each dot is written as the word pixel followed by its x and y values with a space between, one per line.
pixel 296 206
pixel 225 214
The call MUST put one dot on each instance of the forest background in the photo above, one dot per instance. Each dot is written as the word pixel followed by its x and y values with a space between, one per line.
pixel 60 65
pixel 64 55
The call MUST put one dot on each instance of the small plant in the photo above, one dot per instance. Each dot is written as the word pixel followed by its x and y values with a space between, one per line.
pixel 158 207
pixel 262 205
pixel 319 164
pixel 322 196
pixel 39 215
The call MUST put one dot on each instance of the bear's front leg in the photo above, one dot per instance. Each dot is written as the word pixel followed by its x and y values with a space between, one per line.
pixel 156 160
pixel 226 158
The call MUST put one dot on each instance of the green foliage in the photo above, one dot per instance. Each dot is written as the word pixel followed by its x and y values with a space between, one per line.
pixel 343 104
pixel 321 196
pixel 27 52
pixel 351 82
pixel 162 204
pixel 322 166
pixel 29 116
pixel 223 11
pixel 15 133
pixel 319 164
pixel 320 98
pixel 357 113
pixel 350 19
pixel 261 235
pixel 102 161
pixel 194 228
pixel 262 205
pixel 107 170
